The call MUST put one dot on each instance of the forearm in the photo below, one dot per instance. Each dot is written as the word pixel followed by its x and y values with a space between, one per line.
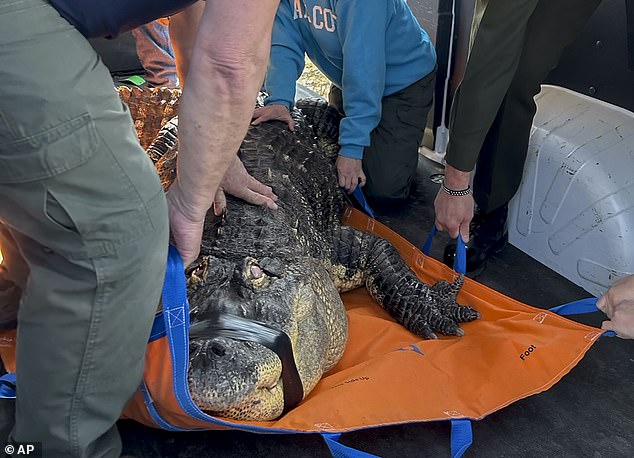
pixel 456 179
pixel 226 71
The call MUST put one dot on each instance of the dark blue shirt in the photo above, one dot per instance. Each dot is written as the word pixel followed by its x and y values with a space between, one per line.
pixel 108 18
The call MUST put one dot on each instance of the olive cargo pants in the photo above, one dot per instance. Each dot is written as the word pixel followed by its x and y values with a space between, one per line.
pixel 85 231
pixel 517 44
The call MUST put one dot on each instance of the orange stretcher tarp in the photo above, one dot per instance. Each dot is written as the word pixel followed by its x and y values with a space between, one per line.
pixel 389 376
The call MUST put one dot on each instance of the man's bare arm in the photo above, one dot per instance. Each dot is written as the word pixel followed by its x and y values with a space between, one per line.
pixel 226 71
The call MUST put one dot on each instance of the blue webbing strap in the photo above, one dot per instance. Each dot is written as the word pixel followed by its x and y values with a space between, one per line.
pixel 158 328
pixel 460 261
pixel 588 305
pixel 7 386
pixel 176 317
pixel 461 436
pixel 358 194
pixel 151 408
pixel 341 451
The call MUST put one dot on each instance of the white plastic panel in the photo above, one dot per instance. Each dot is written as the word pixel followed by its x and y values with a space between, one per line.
pixel 574 211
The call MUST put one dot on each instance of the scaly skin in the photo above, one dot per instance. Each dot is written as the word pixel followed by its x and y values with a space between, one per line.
pixel 285 268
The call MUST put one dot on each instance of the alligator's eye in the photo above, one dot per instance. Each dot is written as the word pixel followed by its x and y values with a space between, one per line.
pixel 254 274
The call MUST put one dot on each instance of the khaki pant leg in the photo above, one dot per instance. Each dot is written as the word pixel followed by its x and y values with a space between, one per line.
pixel 85 208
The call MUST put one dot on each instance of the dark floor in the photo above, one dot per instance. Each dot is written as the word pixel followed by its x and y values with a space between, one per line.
pixel 589 413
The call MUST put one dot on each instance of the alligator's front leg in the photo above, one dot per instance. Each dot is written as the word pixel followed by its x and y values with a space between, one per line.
pixel 360 258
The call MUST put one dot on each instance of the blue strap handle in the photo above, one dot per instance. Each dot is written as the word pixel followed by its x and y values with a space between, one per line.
pixel 460 261
pixel 7 386
pixel 461 436
pixel 358 194
pixel 156 416
pixel 341 451
pixel 158 329
pixel 588 305
pixel 176 325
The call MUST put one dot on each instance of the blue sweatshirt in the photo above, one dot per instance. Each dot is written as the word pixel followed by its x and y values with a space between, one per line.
pixel 385 51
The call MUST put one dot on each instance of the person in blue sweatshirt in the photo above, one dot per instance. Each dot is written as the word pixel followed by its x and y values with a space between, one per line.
pixel 382 65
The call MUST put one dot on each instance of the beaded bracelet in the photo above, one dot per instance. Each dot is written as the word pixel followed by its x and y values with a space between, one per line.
pixel 455 192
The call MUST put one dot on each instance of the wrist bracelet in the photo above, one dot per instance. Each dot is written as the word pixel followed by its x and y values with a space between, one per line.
pixel 456 192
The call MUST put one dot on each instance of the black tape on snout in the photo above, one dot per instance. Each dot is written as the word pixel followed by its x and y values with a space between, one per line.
pixel 238 328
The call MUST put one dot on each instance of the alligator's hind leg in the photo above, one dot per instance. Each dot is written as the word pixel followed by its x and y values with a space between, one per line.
pixel 360 258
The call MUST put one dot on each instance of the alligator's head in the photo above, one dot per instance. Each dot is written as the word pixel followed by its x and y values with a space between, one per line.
pixel 243 379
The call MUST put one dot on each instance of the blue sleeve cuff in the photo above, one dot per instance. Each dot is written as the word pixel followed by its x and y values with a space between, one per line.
pixel 351 151
pixel 276 101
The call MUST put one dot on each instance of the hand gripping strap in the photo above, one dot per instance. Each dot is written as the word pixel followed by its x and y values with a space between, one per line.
pixel 588 305
pixel 460 261
pixel 358 194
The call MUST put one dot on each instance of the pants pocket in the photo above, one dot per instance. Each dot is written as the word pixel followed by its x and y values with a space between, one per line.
pixel 46 153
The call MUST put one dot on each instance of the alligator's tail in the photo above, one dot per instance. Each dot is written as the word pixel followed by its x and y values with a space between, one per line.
pixel 324 121
pixel 423 309
pixel 166 140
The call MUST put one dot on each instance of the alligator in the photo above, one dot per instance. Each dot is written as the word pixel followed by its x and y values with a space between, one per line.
pixel 284 269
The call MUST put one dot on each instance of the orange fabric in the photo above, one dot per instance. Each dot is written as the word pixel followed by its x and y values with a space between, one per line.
pixel 388 375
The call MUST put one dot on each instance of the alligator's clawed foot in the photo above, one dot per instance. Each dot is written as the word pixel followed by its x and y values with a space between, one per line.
pixel 423 329
pixel 444 314
pixel 459 313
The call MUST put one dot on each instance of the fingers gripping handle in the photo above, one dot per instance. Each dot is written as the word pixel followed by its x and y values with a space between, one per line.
pixel 588 305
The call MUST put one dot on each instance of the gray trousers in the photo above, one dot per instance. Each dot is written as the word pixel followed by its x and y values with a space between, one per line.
pixel 517 44
pixel 84 231
pixel 390 161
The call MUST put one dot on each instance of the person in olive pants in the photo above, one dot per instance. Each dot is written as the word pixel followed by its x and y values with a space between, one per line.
pixel 84 215
pixel 515 47
pixel 83 218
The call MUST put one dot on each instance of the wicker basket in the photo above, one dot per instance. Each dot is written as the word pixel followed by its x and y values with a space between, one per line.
pixel 150 109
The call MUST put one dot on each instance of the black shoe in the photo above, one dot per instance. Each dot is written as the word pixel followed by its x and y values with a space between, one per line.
pixel 488 236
